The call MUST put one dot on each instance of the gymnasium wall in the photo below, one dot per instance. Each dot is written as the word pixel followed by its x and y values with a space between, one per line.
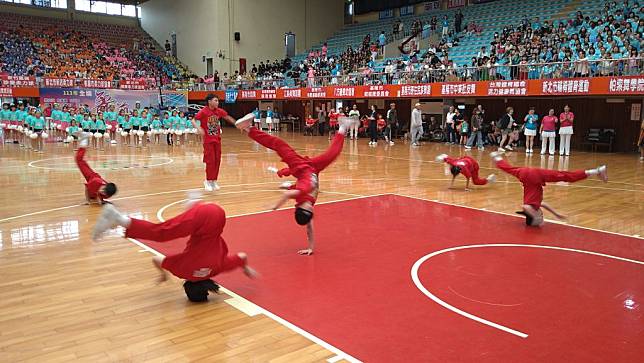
pixel 68 14
pixel 205 27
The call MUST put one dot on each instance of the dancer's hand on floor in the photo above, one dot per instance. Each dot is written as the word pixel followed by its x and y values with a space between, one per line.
pixel 306 252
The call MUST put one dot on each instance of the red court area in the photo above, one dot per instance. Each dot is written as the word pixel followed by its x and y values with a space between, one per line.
pixel 357 292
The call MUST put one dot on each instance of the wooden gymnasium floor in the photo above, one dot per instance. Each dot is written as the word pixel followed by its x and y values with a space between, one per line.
pixel 66 298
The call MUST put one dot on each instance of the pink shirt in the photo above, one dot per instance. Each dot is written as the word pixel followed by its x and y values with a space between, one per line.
pixel 548 123
pixel 566 119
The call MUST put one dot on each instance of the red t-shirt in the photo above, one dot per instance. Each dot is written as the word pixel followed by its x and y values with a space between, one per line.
pixel 310 121
pixel 566 119
pixel 93 186
pixel 548 123
pixel 381 124
pixel 211 124
pixel 333 118
pixel 466 163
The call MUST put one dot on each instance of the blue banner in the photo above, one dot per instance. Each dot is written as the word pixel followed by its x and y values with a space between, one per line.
pixel 231 95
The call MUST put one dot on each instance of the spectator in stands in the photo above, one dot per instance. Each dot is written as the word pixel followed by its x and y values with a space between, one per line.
pixel 382 40
pixel 458 21
pixel 168 48
pixel 445 26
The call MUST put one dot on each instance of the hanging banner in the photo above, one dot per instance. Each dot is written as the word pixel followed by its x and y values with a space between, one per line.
pixel 138 84
pixel 231 95
pixel 18 81
pixel 121 99
pixel 6 92
pixel 59 82
pixel 599 86
pixel 96 83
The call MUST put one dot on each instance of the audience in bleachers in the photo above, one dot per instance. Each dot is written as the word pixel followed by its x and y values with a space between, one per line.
pixel 44 47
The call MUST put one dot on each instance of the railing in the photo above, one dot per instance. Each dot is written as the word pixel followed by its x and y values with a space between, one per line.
pixel 577 69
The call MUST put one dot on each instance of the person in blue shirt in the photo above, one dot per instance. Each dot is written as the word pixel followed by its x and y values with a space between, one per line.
pixel 101 127
pixel 135 121
pixel 38 125
pixel 257 116
pixel 531 122
pixel 157 129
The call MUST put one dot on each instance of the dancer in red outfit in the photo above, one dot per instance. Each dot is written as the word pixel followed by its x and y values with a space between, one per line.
pixel 534 179
pixel 466 166
pixel 306 170
pixel 96 188
pixel 206 253
pixel 210 129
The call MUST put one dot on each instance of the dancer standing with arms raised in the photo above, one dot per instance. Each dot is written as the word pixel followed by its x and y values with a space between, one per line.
pixel 210 128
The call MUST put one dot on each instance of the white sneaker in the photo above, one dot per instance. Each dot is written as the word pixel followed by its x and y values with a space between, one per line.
pixel 527 151
pixel 245 122
pixel 441 157
pixel 207 186
pixel 496 155
pixel 214 185
pixel 391 142
pixel 603 173
pixel 286 185
pixel 83 139
pixel 468 147
pixel 491 178
pixel 501 150
pixel 272 169
pixel 508 147
pixel 481 148
pixel 108 219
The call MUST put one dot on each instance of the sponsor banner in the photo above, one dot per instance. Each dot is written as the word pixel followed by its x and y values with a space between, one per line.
pixel 231 95
pixel 18 81
pixel 599 86
pixel 6 92
pixel 133 84
pixel 121 99
pixel 59 82
pixel 96 83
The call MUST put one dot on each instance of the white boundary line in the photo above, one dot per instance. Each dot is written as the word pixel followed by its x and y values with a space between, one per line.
pixel 517 216
pixel 32 163
pixel 421 287
pixel 431 161
pixel 339 353
pixel 354 196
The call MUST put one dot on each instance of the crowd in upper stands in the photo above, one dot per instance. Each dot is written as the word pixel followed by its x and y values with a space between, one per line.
pixel 57 52
pixel 608 42
pixel 583 45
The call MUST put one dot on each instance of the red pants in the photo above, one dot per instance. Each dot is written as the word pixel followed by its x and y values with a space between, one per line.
pixel 212 158
pixel 292 158
pixel 533 180
pixel 206 252
pixel 87 172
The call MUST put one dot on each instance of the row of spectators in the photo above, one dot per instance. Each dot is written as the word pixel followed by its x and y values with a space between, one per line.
pixel 55 51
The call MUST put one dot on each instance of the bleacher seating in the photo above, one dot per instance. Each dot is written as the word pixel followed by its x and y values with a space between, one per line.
pixel 79 49
pixel 492 17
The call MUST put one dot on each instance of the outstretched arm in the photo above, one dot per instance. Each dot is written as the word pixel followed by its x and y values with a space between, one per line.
pixel 310 239
pixel 549 209
pixel 230 120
